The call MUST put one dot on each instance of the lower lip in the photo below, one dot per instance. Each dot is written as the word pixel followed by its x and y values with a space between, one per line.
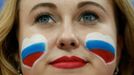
pixel 69 65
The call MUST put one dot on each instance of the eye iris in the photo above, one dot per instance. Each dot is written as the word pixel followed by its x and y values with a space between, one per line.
pixel 88 17
pixel 43 19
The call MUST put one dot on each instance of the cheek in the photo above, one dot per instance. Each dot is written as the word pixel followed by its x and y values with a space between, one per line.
pixel 101 46
pixel 101 49
pixel 32 49
pixel 31 53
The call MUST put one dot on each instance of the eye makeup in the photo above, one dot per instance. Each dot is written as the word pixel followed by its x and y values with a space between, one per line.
pixel 44 18
pixel 96 14
pixel 102 46
pixel 88 17
pixel 32 49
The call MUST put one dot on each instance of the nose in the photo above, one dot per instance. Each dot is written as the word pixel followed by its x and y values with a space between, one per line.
pixel 67 41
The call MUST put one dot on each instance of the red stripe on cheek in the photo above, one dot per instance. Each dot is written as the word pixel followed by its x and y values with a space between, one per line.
pixel 29 60
pixel 107 56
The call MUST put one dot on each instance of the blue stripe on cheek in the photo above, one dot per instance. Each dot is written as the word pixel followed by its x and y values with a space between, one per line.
pixel 98 44
pixel 34 48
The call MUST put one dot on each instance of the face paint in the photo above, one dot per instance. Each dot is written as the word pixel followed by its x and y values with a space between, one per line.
pixel 101 45
pixel 32 49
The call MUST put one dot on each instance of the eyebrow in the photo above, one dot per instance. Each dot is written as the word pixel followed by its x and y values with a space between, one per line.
pixel 49 5
pixel 82 4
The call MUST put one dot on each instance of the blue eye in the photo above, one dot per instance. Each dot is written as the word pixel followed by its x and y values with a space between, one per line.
pixel 44 19
pixel 88 17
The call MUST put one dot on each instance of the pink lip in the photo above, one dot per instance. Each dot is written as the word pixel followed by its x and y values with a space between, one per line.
pixel 66 62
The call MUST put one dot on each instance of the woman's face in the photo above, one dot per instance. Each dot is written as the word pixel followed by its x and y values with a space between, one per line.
pixel 67 37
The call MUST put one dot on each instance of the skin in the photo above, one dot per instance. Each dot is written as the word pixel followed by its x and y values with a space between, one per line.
pixel 67 25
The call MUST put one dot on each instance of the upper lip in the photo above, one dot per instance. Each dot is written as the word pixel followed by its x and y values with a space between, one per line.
pixel 68 59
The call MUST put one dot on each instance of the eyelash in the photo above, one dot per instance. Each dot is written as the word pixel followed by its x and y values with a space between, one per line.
pixel 44 18
pixel 88 17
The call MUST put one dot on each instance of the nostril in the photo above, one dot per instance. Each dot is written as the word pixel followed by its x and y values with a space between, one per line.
pixel 72 44
pixel 67 44
pixel 62 44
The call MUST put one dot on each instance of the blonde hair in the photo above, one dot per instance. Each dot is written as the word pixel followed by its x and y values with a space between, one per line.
pixel 127 58
pixel 6 24
pixel 9 45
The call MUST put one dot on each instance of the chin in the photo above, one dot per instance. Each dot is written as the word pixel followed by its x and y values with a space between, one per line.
pixel 51 70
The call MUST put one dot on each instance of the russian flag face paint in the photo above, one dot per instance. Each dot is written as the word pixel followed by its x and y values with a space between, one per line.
pixel 32 49
pixel 101 45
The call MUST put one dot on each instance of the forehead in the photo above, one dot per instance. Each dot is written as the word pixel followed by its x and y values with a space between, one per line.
pixel 62 4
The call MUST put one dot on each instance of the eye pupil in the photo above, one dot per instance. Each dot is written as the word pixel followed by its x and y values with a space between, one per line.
pixel 89 17
pixel 43 19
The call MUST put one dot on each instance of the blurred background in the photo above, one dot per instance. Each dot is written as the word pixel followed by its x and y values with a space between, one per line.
pixel 133 2
pixel 1 3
